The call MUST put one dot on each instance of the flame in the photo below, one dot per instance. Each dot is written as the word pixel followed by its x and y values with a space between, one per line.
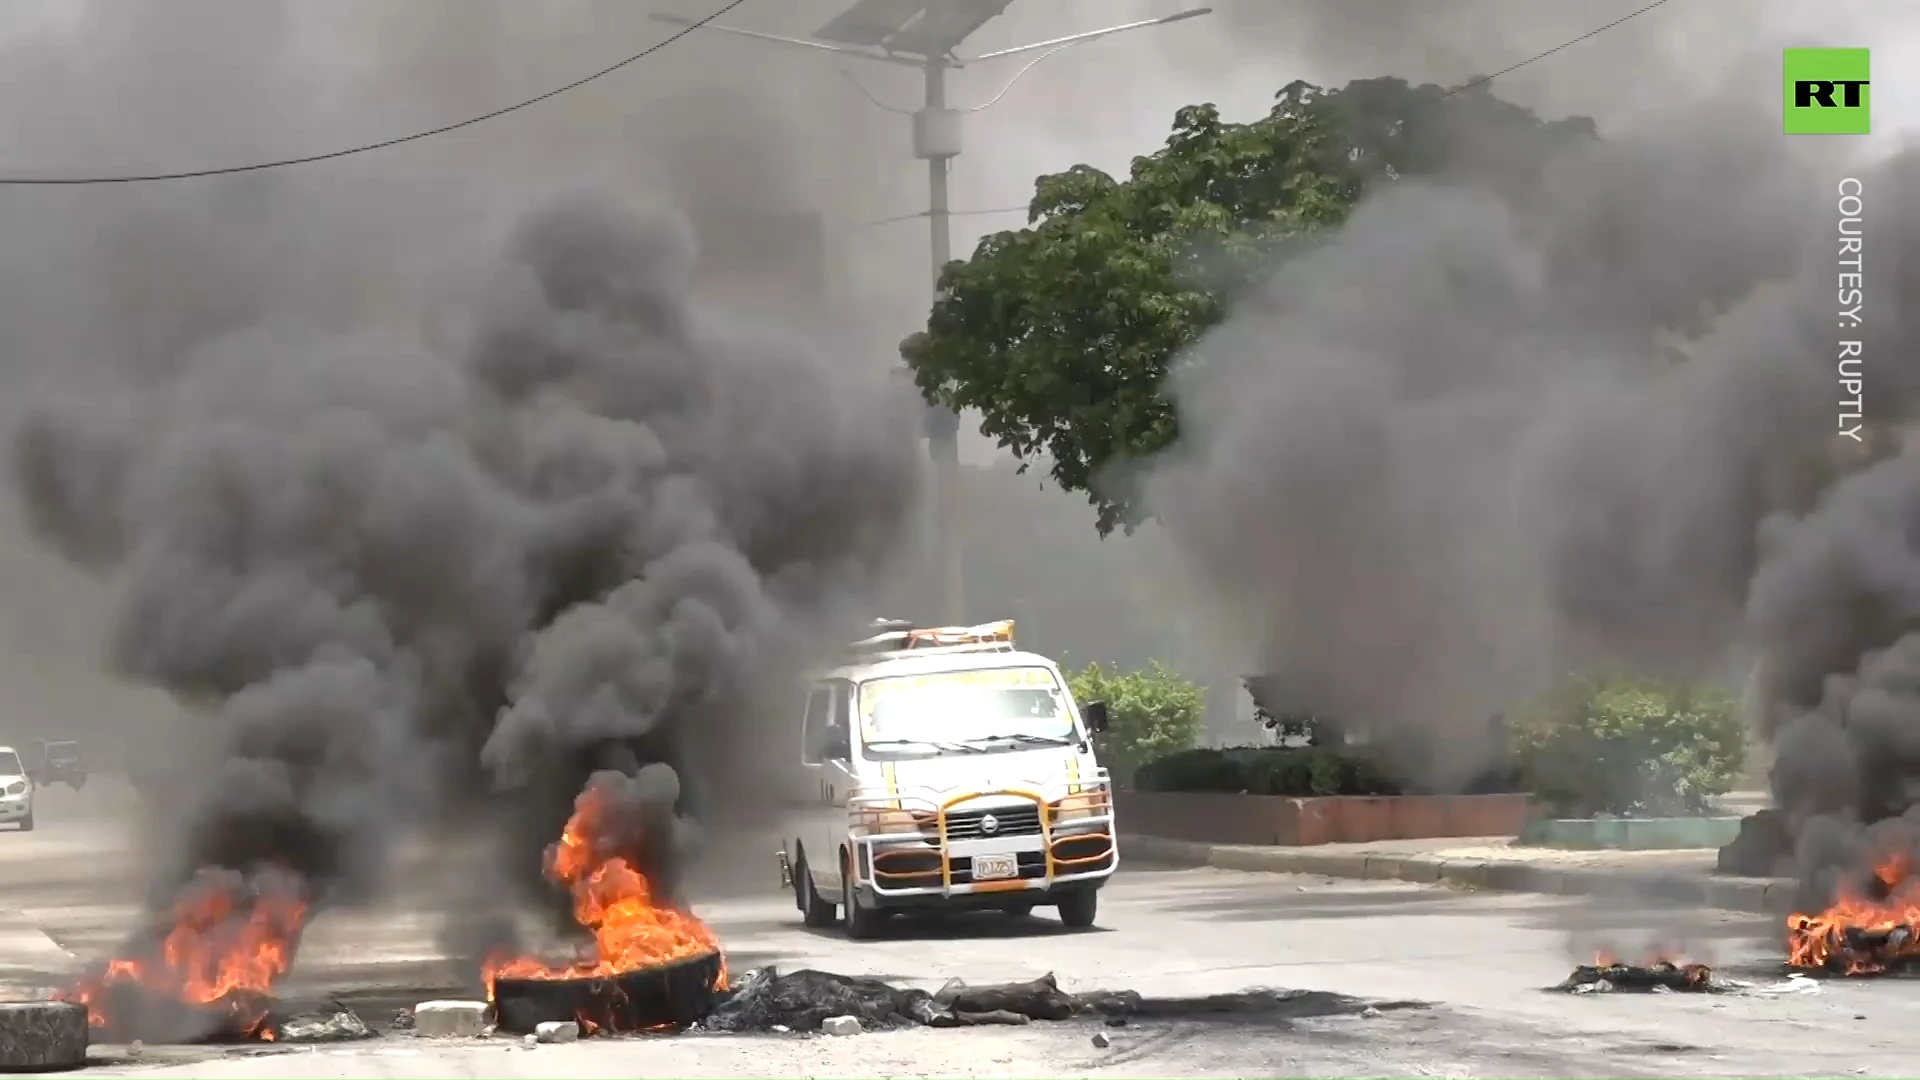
pixel 1650 956
pixel 225 946
pixel 631 929
pixel 1867 930
pixel 1657 960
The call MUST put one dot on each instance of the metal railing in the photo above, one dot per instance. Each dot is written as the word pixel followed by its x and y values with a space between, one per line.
pixel 906 828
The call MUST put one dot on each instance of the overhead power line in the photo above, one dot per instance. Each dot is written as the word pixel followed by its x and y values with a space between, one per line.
pixel 418 136
pixel 260 166
pixel 1482 80
pixel 1478 80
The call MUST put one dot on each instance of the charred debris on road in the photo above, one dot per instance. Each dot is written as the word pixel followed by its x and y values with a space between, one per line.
pixel 681 998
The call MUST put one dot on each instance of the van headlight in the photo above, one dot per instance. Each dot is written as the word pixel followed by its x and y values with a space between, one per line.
pixel 18 787
pixel 886 822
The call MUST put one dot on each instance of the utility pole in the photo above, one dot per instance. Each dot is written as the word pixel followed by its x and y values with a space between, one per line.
pixel 923 34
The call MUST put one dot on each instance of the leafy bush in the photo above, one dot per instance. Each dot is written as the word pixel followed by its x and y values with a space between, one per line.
pixel 1150 713
pixel 1298 772
pixel 1630 747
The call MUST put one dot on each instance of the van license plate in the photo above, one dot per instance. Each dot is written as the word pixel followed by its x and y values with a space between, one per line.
pixel 995 867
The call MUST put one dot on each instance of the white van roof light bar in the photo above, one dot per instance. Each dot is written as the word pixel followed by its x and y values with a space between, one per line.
pixel 901 637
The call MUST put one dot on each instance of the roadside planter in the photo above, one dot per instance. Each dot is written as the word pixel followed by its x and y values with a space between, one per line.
pixel 1630 834
pixel 1283 821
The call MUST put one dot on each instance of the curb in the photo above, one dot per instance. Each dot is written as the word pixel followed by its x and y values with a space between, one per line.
pixel 1760 896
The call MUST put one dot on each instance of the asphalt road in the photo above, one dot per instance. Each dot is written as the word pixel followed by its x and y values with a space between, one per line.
pixel 1478 962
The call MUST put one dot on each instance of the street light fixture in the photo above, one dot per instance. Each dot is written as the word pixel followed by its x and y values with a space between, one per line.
pixel 924 34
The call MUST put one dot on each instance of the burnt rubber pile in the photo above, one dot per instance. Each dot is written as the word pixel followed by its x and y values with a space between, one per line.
pixel 1654 977
pixel 804 1001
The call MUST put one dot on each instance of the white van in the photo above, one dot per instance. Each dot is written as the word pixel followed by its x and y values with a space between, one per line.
pixel 941 768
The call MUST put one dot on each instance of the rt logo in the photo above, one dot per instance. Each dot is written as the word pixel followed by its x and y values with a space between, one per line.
pixel 1826 92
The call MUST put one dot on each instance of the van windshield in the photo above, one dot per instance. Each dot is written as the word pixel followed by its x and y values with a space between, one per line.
pixel 10 764
pixel 991 710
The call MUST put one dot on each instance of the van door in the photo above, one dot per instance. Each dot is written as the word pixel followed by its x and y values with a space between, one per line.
pixel 822 825
pixel 825 750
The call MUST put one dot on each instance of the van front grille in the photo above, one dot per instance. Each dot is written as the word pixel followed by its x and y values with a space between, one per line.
pixel 1007 821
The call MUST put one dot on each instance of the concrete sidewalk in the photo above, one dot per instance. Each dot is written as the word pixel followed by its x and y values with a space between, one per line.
pixel 1679 877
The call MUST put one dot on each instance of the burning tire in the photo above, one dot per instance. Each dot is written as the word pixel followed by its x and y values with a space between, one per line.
pixel 658 998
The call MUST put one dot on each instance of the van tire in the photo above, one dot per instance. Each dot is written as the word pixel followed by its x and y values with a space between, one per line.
pixel 26 823
pixel 863 924
pixel 816 911
pixel 1079 909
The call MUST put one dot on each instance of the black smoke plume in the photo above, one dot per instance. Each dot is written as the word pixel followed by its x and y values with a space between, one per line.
pixel 413 589
pixel 1486 435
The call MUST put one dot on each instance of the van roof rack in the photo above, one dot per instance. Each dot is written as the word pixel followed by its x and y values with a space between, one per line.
pixel 902 636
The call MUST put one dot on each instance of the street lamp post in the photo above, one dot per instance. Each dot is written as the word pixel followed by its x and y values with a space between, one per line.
pixel 924 34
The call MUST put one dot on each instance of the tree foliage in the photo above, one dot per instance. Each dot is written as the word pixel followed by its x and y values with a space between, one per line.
pixel 1150 713
pixel 1061 334
pixel 1630 747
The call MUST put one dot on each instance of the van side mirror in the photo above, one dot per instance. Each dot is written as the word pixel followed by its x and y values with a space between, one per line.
pixel 1094 715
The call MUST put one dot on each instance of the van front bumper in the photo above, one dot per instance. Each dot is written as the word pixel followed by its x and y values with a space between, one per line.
pixel 909 872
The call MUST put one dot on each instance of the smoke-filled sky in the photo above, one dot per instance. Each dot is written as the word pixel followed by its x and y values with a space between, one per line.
pixel 112 282
pixel 1445 458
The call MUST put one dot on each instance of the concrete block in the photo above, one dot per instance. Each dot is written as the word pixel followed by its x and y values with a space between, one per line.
pixel 841 1025
pixel 450 1019
pixel 556 1031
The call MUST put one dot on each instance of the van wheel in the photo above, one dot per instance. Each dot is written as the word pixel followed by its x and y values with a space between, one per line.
pixel 863 924
pixel 816 911
pixel 26 823
pixel 1078 909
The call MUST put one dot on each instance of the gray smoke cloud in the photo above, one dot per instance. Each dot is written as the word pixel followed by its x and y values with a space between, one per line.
pixel 412 586
pixel 122 282
pixel 1451 454
pixel 330 482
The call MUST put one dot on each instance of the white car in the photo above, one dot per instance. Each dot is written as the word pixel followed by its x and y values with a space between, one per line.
pixel 16 791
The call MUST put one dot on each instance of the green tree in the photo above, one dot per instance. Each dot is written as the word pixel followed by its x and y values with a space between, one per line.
pixel 1061 334
pixel 1150 713
pixel 1631 747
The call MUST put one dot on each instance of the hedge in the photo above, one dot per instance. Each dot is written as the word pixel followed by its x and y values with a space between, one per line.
pixel 1299 772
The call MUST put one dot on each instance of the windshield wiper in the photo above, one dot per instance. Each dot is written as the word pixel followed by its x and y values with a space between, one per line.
pixel 941 747
pixel 1028 738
